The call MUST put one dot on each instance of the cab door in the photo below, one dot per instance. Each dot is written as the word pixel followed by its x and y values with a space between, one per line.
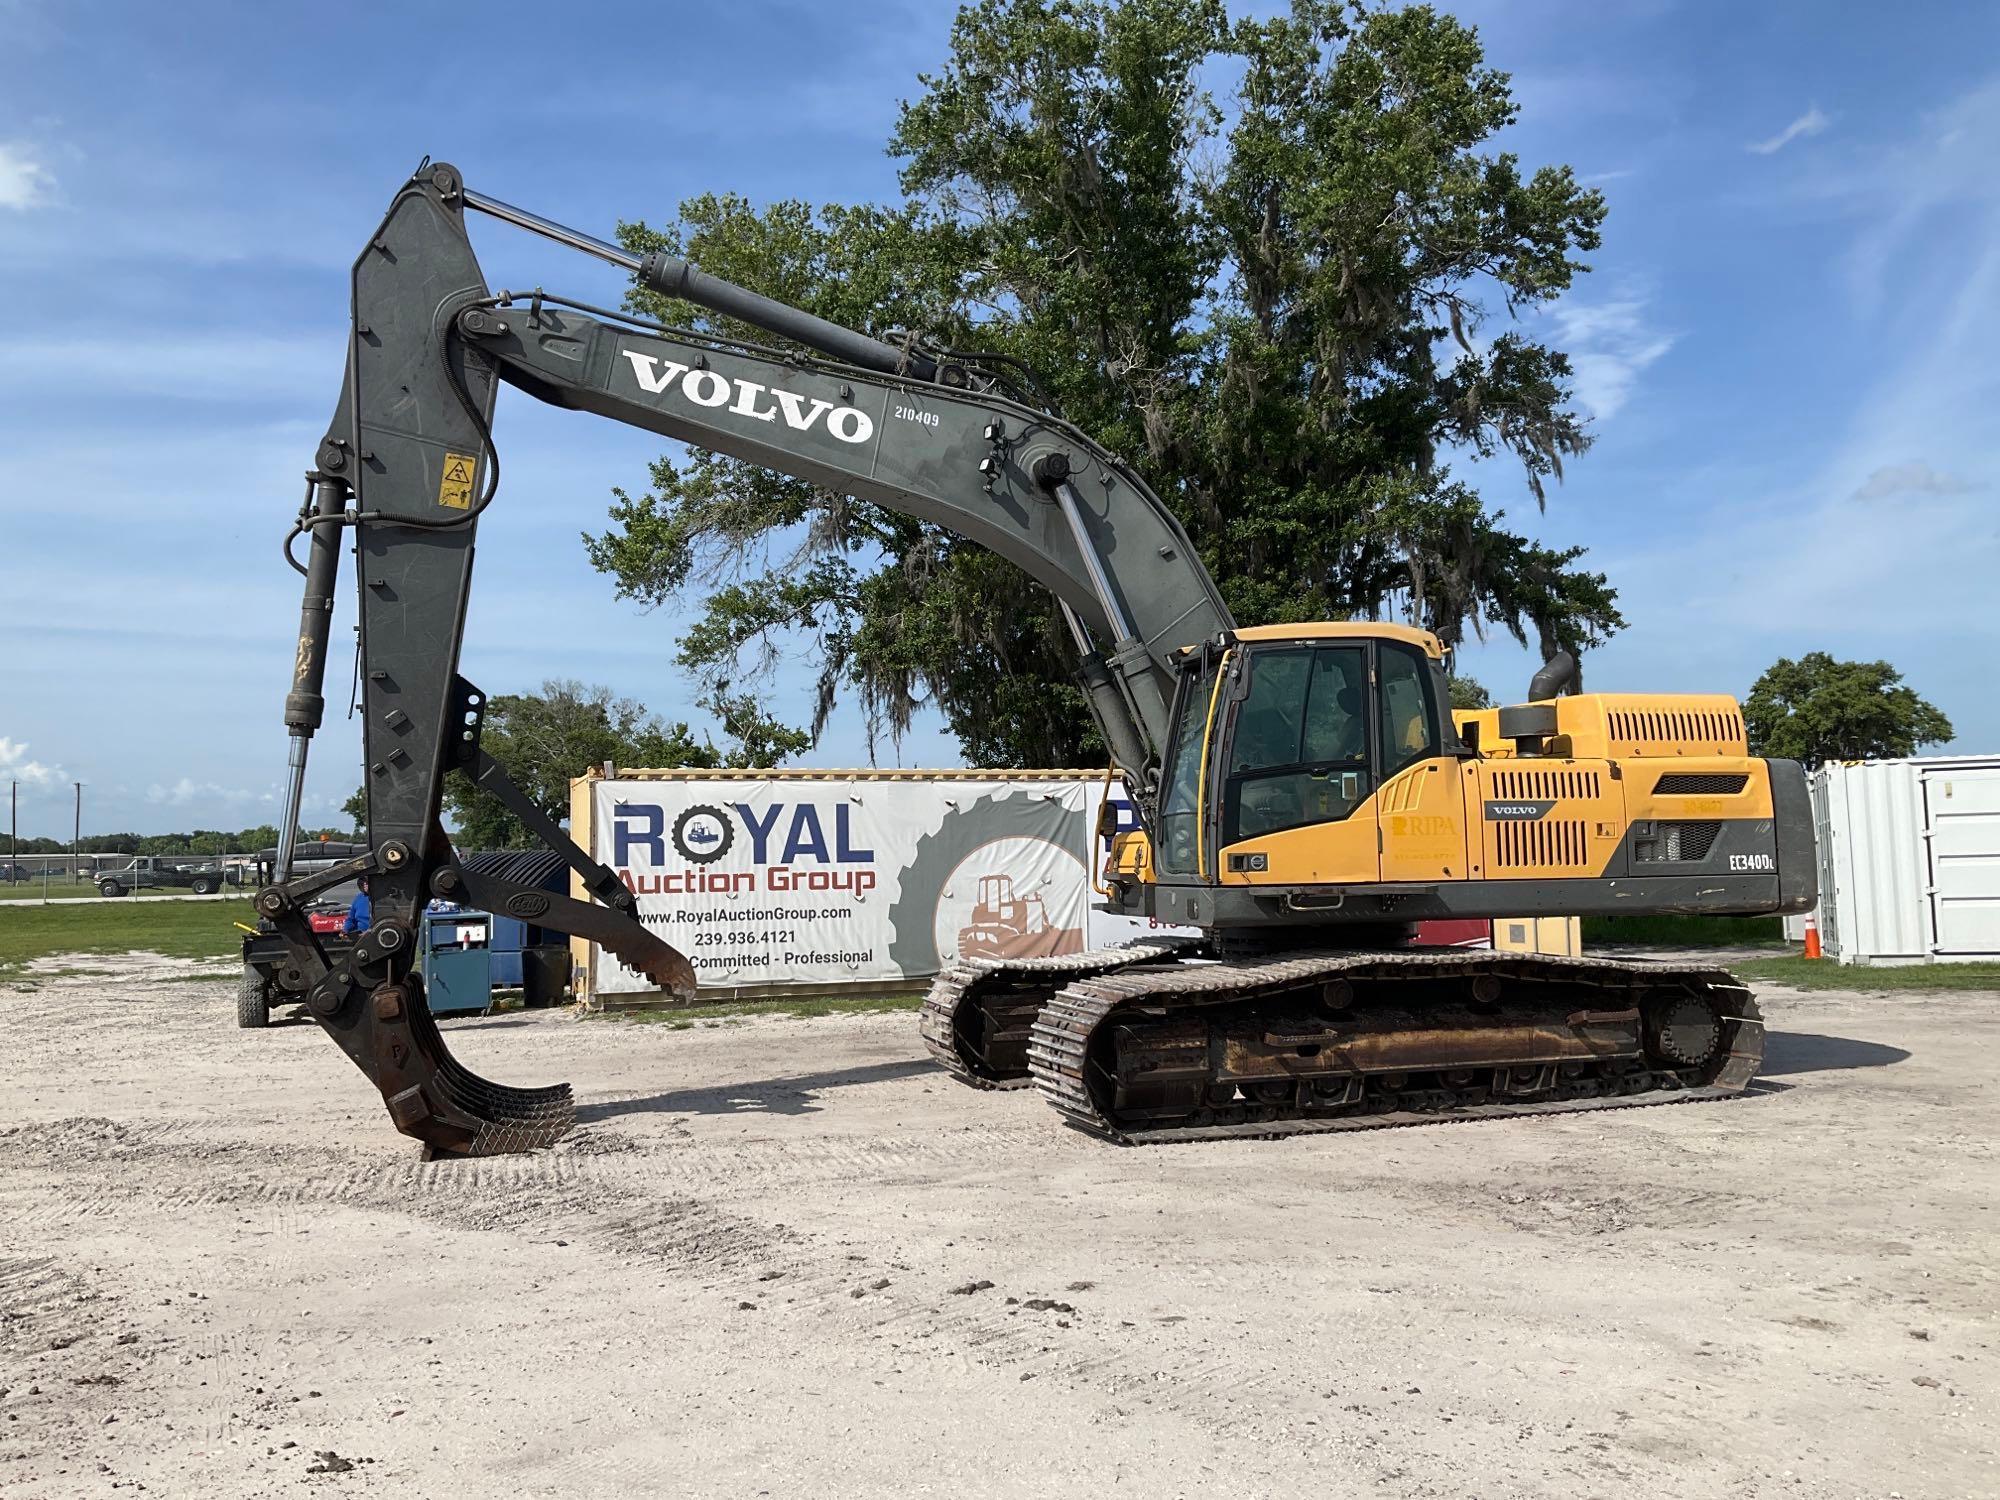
pixel 1422 802
pixel 1296 803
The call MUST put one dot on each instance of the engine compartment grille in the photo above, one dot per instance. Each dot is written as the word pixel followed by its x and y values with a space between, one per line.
pixel 1672 726
pixel 1701 783
pixel 1677 843
pixel 1541 843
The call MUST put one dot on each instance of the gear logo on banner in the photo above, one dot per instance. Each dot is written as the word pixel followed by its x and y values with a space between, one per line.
pixel 1022 820
pixel 703 834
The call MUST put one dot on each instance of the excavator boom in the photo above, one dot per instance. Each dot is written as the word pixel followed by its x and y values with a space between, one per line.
pixel 409 464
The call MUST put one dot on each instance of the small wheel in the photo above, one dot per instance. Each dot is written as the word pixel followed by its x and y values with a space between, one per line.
pixel 253 1005
pixel 110 888
pixel 204 886
pixel 1683 1031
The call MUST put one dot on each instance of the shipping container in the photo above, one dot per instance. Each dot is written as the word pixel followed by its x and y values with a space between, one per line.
pixel 1909 855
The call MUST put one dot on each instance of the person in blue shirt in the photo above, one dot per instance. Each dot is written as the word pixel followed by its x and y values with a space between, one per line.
pixel 358 913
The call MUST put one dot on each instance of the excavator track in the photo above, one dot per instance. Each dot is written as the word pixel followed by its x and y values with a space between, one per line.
pixel 976 1019
pixel 1370 1040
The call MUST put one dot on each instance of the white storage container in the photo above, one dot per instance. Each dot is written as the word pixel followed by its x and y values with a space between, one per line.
pixel 1909 856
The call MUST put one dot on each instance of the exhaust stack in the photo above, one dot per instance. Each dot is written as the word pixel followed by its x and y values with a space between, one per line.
pixel 1559 674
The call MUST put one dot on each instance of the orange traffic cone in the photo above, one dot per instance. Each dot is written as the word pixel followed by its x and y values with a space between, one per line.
pixel 1812 938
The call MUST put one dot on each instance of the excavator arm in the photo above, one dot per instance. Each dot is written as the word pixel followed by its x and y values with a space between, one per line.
pixel 410 465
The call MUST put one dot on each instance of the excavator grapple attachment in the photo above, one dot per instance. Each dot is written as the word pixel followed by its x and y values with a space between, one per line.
pixel 372 1002
pixel 387 1031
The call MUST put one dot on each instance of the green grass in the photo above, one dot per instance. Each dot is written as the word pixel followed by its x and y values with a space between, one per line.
pixel 683 1017
pixel 31 890
pixel 178 929
pixel 1684 932
pixel 1825 974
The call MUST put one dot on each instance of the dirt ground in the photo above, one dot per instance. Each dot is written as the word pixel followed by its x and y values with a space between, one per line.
pixel 747 1275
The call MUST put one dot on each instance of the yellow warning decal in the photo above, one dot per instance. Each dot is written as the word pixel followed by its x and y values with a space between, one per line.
pixel 455 489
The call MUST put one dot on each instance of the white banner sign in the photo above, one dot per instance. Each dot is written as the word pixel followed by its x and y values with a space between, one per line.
pixel 769 882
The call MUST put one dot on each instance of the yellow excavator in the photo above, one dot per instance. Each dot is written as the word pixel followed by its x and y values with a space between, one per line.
pixel 1305 795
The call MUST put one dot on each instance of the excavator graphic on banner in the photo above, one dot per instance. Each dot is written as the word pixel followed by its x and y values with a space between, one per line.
pixel 1006 924
pixel 1304 793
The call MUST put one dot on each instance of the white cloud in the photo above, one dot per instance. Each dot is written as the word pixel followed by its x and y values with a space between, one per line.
pixel 1811 123
pixel 1911 479
pixel 1610 344
pixel 187 791
pixel 24 181
pixel 1912 200
pixel 15 765
pixel 249 367
pixel 1842 574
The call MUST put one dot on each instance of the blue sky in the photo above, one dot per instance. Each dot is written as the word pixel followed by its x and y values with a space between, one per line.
pixel 1784 346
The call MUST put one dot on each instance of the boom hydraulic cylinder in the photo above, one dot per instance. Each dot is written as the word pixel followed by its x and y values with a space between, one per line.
pixel 305 704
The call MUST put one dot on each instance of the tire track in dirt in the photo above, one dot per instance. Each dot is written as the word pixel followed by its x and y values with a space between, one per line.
pixel 812 1159
pixel 39 1297
pixel 1093 1353
pixel 593 1196
pixel 617 1469
pixel 604 1190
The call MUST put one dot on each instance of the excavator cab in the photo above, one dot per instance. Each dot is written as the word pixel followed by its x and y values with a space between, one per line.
pixel 1282 737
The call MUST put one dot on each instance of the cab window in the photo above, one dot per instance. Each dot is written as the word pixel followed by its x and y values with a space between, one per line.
pixel 1180 827
pixel 1300 748
pixel 1408 718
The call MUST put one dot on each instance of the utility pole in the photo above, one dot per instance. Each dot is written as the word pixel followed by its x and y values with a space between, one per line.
pixel 76 838
pixel 14 796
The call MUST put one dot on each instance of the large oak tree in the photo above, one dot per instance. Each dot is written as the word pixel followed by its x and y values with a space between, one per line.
pixel 1817 709
pixel 1290 312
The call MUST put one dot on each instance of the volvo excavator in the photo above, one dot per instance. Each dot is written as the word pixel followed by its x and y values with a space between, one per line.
pixel 1304 793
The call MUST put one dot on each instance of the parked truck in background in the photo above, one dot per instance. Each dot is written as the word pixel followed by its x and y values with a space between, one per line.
pixel 149 870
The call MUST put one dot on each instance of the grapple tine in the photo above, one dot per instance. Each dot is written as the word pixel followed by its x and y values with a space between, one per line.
pixel 433 1098
pixel 457 1112
pixel 476 1090
pixel 483 1099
